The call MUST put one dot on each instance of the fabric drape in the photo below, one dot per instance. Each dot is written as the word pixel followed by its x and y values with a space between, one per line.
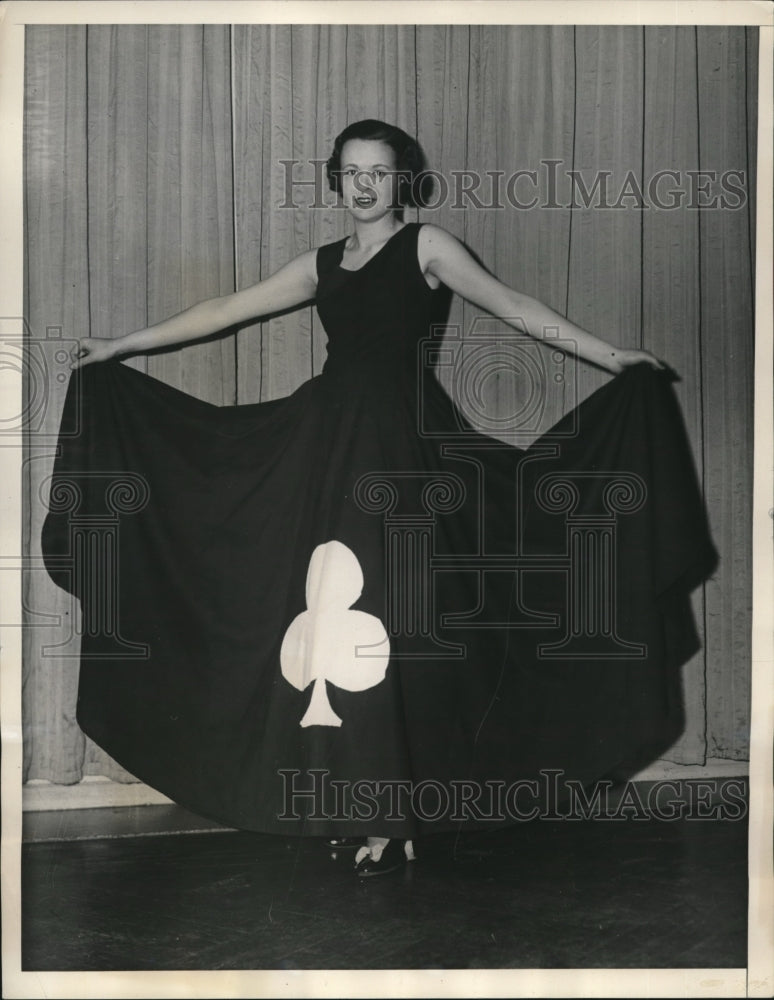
pixel 156 175
pixel 358 594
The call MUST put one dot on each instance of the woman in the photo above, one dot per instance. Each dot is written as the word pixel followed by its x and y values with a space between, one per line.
pixel 376 291
pixel 375 167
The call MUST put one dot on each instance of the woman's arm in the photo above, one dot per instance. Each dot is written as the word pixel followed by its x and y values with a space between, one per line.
pixel 292 285
pixel 444 256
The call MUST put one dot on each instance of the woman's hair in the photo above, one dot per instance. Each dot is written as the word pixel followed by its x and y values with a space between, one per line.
pixel 410 161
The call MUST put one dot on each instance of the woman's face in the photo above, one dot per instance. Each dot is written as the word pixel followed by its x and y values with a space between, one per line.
pixel 369 183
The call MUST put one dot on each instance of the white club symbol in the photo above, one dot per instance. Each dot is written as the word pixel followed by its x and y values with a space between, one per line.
pixel 329 641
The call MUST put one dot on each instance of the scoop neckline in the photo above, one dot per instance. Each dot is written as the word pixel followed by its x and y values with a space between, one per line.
pixel 357 270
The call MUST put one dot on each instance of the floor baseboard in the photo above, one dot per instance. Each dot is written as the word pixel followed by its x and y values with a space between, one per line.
pixel 90 793
pixel 111 823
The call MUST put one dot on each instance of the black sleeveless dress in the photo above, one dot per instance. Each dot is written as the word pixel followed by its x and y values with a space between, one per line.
pixel 346 611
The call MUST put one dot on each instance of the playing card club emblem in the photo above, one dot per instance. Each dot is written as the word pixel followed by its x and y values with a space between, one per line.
pixel 328 641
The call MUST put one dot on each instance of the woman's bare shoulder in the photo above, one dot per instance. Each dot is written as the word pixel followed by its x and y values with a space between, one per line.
pixel 436 239
pixel 429 232
pixel 434 243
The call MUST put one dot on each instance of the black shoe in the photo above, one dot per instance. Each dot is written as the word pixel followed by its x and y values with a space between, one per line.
pixel 393 857
pixel 344 843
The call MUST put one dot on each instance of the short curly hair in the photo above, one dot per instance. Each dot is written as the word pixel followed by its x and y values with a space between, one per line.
pixel 410 162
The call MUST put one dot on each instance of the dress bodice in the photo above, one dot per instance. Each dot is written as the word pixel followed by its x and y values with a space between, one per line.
pixel 375 316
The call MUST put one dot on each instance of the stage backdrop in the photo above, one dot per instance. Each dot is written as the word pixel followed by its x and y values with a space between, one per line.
pixel 154 179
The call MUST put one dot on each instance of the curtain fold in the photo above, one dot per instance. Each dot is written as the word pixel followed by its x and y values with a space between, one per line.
pixel 168 164
pixel 671 319
pixel 57 294
pixel 727 357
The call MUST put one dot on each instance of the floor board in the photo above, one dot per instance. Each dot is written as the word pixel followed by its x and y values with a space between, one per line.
pixel 583 894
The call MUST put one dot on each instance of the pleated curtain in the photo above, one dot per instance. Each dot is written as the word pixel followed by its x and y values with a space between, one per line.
pixel 162 167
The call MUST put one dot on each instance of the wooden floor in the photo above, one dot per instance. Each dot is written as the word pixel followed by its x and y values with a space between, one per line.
pixel 584 894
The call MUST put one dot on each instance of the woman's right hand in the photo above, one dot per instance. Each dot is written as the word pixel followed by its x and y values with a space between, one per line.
pixel 91 349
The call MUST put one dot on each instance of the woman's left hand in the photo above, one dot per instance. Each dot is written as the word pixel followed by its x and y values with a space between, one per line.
pixel 625 359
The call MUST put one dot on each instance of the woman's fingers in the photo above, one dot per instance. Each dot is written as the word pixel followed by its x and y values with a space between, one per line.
pixel 635 357
pixel 79 355
pixel 652 360
pixel 90 350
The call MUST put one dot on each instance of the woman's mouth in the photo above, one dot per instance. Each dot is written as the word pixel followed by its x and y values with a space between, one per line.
pixel 365 200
